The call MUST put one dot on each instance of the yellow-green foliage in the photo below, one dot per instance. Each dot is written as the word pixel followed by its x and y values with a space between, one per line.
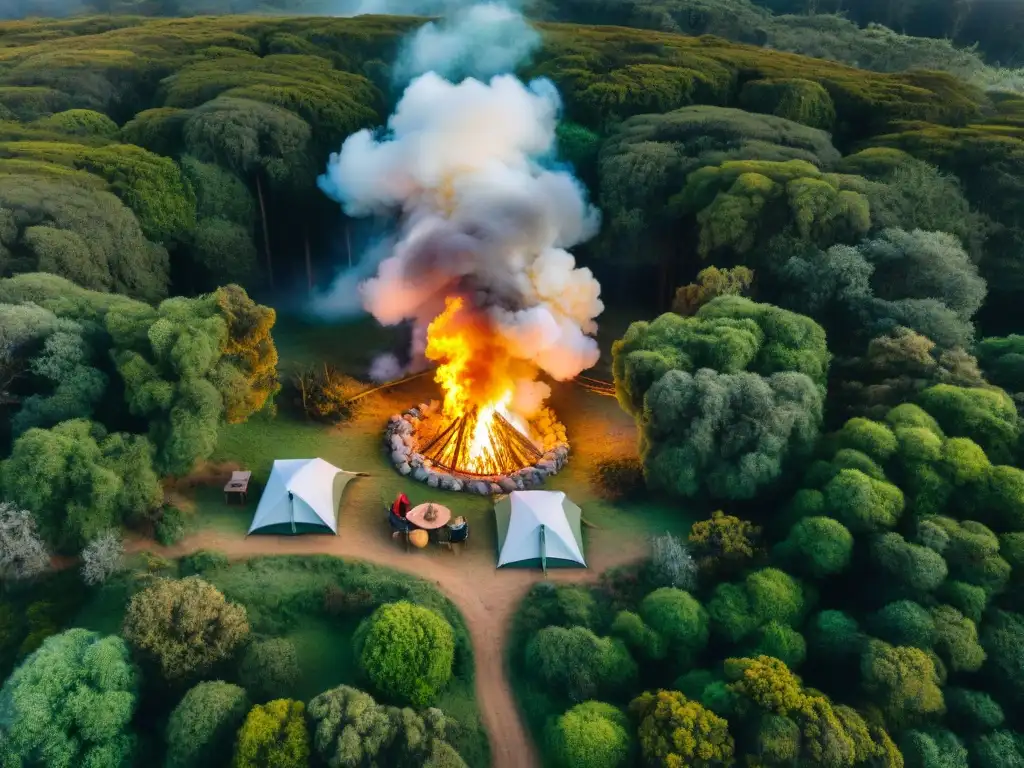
pixel 29 103
pixel 274 734
pixel 333 102
pixel 802 101
pixel 80 122
pixel 864 101
pixel 677 731
pixel 801 721
pixel 737 201
pixel 152 186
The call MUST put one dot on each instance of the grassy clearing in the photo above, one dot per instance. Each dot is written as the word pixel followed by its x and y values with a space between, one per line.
pixel 284 597
pixel 598 430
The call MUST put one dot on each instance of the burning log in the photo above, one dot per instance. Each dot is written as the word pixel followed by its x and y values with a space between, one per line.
pixel 426 424
pixel 503 451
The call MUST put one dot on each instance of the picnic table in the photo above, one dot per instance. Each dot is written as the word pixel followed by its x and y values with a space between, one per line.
pixel 238 484
pixel 421 516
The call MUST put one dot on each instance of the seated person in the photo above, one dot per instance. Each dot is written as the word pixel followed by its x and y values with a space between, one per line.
pixel 400 508
pixel 458 530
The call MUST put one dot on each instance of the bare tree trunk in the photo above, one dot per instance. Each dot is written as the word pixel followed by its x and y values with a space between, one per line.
pixel 309 265
pixel 266 231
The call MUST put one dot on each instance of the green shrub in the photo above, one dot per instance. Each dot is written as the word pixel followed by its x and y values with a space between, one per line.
pixel 933 748
pixel 620 478
pixel 579 665
pixel 202 728
pixel 674 730
pixel 170 528
pixel 201 561
pixel 71 703
pixel 730 612
pixel 406 652
pixel 638 637
pixel 782 642
pixel 972 711
pixel 269 669
pixel 818 546
pixel 835 637
pixel 678 617
pixel 274 734
pixel 802 101
pixel 969 599
pixel 80 122
pixel 904 622
pixel 591 735
pixel 775 596
pixel 1001 749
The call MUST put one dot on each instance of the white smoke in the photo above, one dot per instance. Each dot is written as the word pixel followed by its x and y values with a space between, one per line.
pixel 481 215
pixel 385 368
pixel 480 41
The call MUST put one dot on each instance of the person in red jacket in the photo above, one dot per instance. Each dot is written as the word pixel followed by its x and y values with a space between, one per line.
pixel 401 506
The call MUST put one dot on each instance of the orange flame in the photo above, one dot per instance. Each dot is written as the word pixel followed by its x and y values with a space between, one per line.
pixel 474 373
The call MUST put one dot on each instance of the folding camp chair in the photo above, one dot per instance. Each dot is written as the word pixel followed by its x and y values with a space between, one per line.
pixel 455 533
pixel 400 529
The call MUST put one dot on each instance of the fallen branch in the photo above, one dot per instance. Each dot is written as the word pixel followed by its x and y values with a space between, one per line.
pixel 387 384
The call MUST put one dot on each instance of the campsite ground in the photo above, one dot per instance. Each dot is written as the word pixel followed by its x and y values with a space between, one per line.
pixel 597 428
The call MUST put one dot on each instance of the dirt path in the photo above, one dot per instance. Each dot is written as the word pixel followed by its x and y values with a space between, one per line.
pixel 486 597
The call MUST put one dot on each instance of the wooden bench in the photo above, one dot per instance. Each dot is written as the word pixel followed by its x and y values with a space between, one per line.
pixel 238 484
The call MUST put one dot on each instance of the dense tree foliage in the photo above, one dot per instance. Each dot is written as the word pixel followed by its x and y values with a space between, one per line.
pixel 183 368
pixel 184 627
pixel 70 703
pixel 78 481
pixel 274 734
pixel 350 728
pixel 406 652
pixel 725 398
pixel 201 729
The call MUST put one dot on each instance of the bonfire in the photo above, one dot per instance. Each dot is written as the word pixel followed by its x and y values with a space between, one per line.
pixel 475 439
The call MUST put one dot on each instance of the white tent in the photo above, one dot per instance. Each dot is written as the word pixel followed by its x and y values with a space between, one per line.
pixel 302 496
pixel 539 528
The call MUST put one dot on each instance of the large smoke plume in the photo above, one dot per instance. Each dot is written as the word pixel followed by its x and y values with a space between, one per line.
pixel 479 41
pixel 484 214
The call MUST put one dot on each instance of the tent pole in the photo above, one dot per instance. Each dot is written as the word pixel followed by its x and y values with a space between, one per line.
pixel 543 552
pixel 291 509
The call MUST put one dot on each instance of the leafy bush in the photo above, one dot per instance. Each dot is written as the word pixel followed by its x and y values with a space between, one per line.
pixel 679 618
pixel 170 528
pixel 724 542
pixel 591 735
pixel 269 668
pixel 406 651
pixel 201 730
pixel 102 558
pixel 638 637
pixel 676 731
pixel 973 711
pixel 274 734
pixel 326 395
pixel 579 665
pixel 801 101
pixel 782 642
pixel 72 701
pixel 620 478
pixel 818 546
pixel 184 626
pixel 201 561
pixel 350 728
